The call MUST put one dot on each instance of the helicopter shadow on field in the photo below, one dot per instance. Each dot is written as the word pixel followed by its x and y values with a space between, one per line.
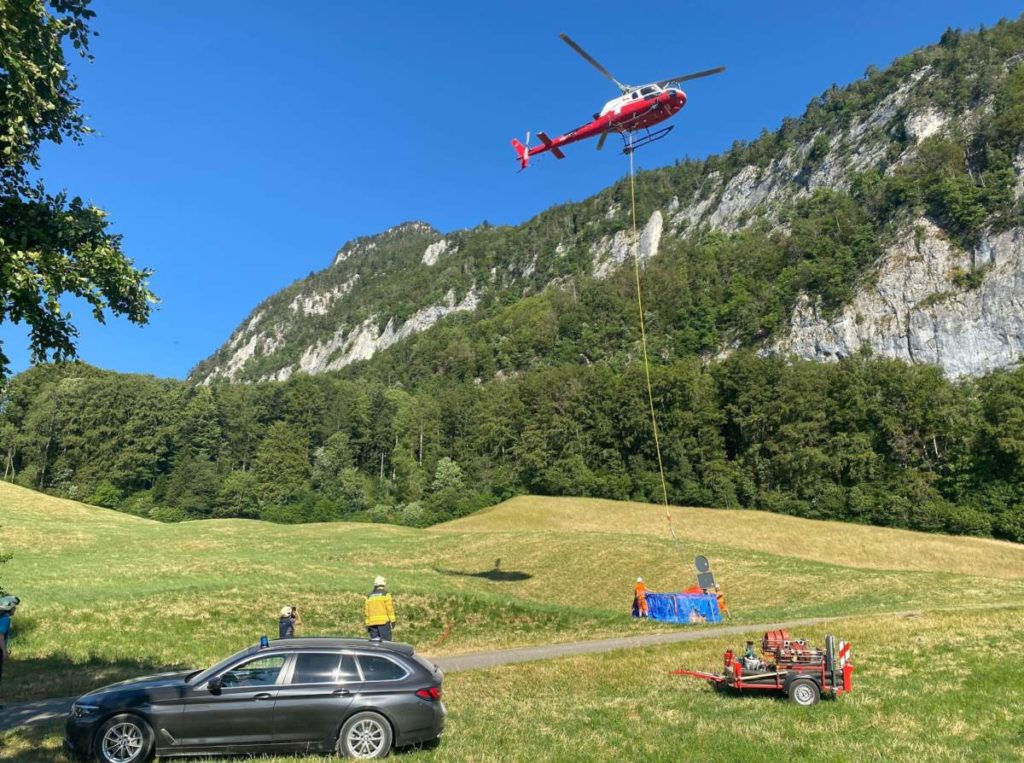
pixel 495 575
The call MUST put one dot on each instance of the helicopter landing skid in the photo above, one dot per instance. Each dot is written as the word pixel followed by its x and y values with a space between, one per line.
pixel 632 142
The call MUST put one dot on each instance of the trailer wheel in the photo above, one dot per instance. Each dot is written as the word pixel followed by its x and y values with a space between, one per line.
pixel 805 692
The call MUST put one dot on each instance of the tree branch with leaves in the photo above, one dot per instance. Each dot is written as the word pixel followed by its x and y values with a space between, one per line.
pixel 52 245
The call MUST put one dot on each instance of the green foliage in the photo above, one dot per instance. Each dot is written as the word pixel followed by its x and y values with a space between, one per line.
pixel 282 463
pixel 107 494
pixel 869 441
pixel 238 496
pixel 169 514
pixel 192 485
pixel 971 279
pixel 447 476
pixel 330 460
pixel 51 245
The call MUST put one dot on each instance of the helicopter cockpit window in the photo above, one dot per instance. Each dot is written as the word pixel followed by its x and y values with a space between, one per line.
pixel 648 91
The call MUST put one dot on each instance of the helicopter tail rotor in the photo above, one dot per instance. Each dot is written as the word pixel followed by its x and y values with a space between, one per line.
pixel 522 151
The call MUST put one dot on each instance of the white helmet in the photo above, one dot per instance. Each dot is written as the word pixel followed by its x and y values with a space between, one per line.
pixel 286 611
pixel 379 582
pixel 639 580
pixel 8 603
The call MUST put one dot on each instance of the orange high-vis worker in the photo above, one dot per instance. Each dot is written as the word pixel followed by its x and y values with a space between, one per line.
pixel 640 592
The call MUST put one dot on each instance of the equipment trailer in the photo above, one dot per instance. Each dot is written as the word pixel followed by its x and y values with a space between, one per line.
pixel 789 666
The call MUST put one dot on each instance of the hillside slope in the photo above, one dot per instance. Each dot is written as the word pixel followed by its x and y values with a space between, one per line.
pixel 814 540
pixel 933 148
pixel 141 595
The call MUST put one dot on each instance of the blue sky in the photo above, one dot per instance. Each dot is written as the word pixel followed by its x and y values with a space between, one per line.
pixel 240 144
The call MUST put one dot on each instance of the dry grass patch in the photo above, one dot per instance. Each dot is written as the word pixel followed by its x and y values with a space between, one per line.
pixel 833 542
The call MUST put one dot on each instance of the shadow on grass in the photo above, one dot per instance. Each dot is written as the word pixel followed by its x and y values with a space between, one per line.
pixel 43 744
pixel 496 575
pixel 36 744
pixel 62 675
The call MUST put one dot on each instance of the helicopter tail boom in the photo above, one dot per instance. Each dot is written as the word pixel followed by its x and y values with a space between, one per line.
pixel 522 152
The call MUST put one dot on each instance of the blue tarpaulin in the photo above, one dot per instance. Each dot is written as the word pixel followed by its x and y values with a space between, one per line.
pixel 682 607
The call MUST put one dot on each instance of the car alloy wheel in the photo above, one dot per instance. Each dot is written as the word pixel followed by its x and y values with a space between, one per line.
pixel 123 742
pixel 364 736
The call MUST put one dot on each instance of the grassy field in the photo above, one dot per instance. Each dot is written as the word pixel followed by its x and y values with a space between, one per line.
pixel 108 595
pixel 937 687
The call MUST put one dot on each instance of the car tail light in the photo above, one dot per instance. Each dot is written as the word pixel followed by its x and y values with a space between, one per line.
pixel 431 695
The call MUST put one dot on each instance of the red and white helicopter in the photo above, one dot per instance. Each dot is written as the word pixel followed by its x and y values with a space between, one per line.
pixel 637 109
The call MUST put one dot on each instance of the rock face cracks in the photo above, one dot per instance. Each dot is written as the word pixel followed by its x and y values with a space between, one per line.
pixel 608 254
pixel 923 308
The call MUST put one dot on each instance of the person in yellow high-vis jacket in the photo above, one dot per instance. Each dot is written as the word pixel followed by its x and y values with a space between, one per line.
pixel 379 611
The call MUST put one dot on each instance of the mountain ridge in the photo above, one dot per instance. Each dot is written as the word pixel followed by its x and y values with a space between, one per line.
pixel 405 281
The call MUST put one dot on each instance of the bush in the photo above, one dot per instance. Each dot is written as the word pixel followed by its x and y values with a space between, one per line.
pixel 238 496
pixel 1009 524
pixel 413 515
pixel 288 514
pixel 963 520
pixel 169 514
pixel 140 504
pixel 106 495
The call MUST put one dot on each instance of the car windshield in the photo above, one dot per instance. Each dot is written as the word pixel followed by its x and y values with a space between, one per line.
pixel 205 675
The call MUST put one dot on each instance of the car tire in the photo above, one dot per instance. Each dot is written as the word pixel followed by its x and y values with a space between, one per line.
pixel 124 738
pixel 365 736
pixel 804 692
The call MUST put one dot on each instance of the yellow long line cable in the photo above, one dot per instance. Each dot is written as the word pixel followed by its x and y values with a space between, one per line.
pixel 643 345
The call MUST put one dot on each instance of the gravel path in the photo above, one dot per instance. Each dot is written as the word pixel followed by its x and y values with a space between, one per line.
pixel 479 660
pixel 41 711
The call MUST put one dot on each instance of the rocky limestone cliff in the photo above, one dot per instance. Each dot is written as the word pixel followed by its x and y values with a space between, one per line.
pixel 917 311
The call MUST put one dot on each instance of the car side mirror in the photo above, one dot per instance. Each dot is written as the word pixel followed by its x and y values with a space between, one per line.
pixel 214 685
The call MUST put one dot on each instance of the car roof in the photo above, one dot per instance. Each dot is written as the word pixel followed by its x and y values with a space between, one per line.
pixel 332 642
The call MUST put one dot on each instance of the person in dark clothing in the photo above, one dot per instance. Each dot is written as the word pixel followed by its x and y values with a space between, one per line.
pixel 7 606
pixel 288 620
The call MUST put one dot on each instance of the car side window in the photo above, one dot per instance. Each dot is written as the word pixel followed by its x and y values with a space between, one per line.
pixel 263 671
pixel 315 668
pixel 348 671
pixel 380 668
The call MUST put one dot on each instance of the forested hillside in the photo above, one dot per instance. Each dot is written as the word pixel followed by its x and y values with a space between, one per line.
pixel 424 375
pixel 863 440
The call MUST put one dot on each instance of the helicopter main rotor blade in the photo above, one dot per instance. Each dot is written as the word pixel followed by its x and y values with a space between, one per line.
pixel 591 60
pixel 688 77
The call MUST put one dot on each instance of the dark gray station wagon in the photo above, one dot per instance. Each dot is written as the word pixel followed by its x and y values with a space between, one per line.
pixel 357 698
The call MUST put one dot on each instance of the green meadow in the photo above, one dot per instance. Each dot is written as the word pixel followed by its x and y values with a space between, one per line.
pixel 108 596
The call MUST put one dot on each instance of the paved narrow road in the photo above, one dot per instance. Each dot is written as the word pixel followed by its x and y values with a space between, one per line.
pixel 41 711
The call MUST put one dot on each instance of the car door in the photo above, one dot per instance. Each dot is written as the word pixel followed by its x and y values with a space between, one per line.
pixel 312 703
pixel 241 716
